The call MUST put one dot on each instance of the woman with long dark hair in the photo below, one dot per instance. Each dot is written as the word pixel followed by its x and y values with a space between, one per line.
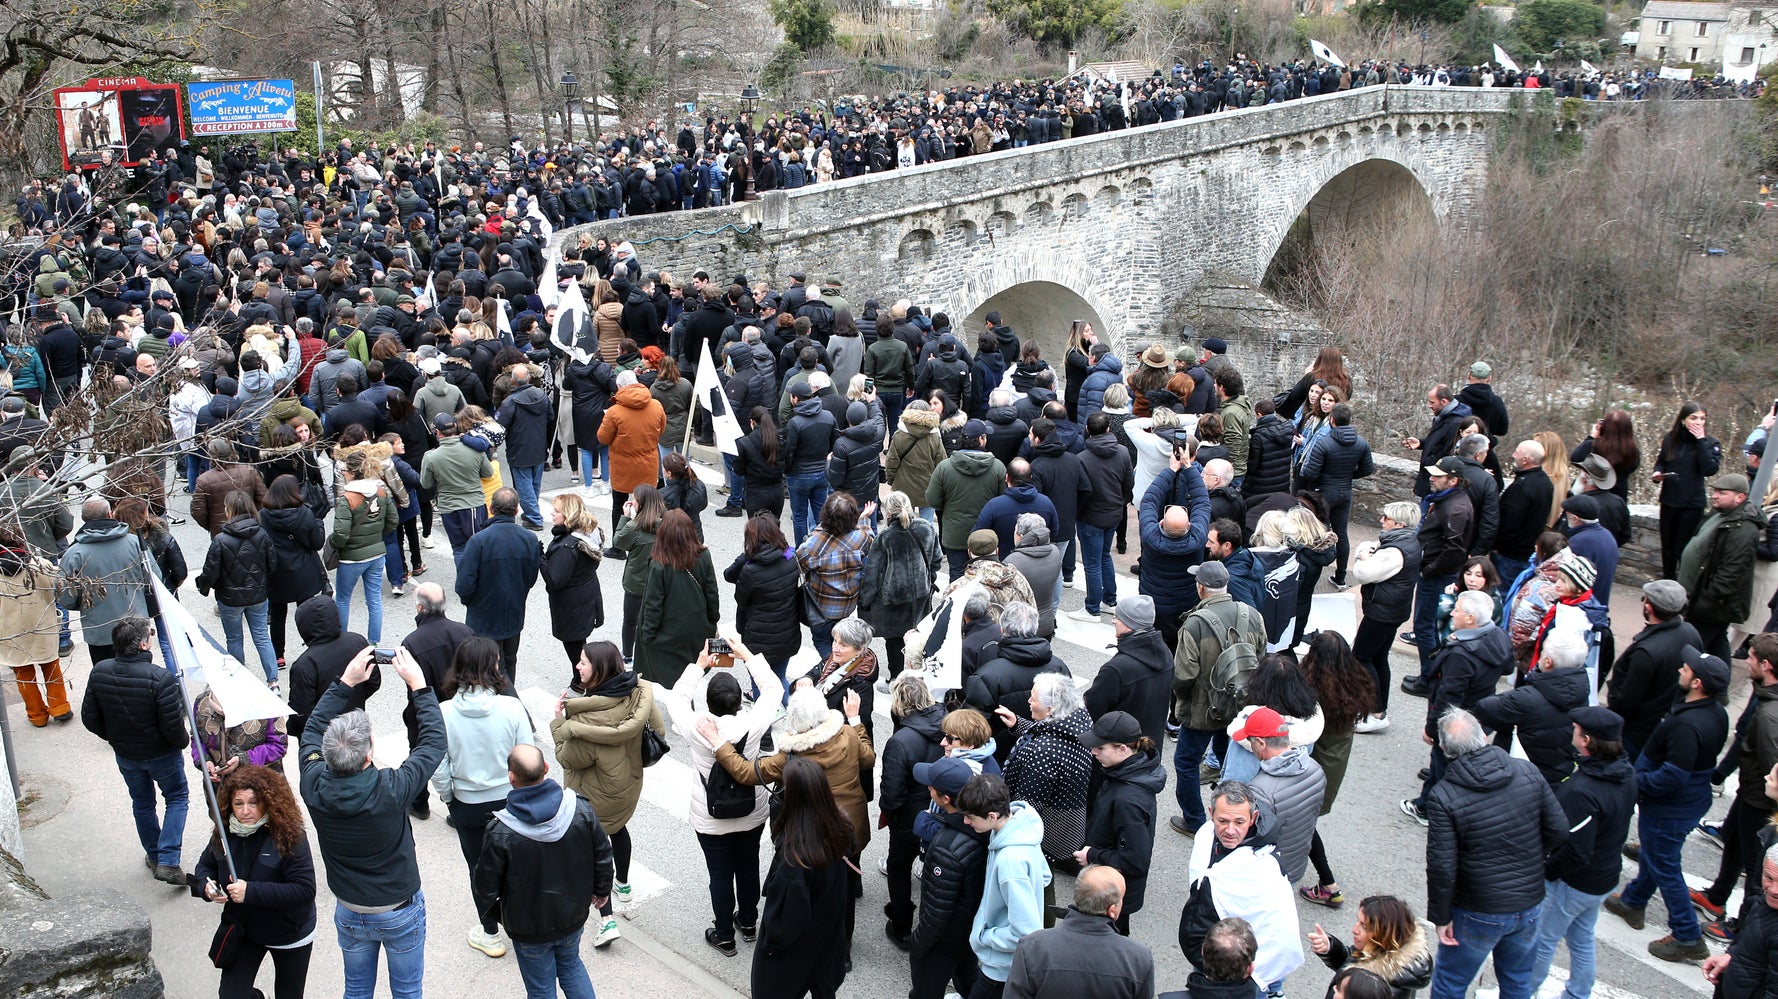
pixel 681 489
pixel 297 538
pixel 680 602
pixel 633 542
pixel 1689 456
pixel 408 422
pixel 1280 685
pixel 482 725
pixel 598 735
pixel 272 897
pixel 766 608
pixel 1343 686
pixel 1614 439
pixel 570 573
pixel 762 475
pixel 808 898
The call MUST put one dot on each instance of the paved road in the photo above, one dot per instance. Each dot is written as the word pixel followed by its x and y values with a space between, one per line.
pixel 78 833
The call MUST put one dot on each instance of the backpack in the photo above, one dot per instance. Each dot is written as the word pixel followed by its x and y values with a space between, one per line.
pixel 1230 672
pixel 724 796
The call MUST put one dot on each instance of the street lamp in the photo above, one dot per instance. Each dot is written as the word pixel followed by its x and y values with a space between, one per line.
pixel 569 85
pixel 749 104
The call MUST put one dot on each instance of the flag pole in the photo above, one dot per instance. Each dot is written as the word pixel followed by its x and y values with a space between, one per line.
pixel 191 717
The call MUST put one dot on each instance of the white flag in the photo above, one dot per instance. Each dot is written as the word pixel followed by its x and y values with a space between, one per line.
pixel 423 300
pixel 574 332
pixel 1325 54
pixel 707 390
pixel 503 322
pixel 1505 61
pixel 549 287
pixel 1587 67
pixel 1537 68
pixel 545 230
pixel 242 692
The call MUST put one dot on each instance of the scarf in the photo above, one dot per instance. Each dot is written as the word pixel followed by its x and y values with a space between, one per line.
pixel 243 829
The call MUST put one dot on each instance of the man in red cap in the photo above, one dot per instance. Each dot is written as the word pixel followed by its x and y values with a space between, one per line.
pixel 1290 787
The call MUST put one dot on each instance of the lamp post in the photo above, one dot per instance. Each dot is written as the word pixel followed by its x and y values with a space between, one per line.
pixel 749 104
pixel 569 85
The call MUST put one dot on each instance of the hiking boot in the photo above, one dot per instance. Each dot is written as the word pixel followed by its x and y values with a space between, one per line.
pixel 1635 917
pixel 1415 685
pixel 900 938
pixel 1669 949
pixel 1182 827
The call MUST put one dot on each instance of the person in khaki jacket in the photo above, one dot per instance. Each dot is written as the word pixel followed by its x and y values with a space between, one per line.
pixel 598 734
pixel 28 627
pixel 1205 634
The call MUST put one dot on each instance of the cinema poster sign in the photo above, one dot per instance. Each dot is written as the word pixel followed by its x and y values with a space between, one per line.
pixel 127 116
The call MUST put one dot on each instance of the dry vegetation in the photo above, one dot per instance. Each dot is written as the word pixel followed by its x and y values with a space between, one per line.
pixel 1589 275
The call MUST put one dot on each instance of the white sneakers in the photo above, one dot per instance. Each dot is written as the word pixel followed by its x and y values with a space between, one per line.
pixel 1084 615
pixel 1370 724
pixel 488 943
pixel 426 542
pixel 607 933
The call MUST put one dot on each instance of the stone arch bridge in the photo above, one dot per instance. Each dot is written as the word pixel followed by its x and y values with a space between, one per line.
pixel 1116 228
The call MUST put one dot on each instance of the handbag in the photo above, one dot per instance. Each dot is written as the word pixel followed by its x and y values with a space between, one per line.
pixel 654 746
pixel 774 792
pixel 225 946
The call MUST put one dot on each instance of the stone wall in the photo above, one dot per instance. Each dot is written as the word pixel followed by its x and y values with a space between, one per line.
pixel 1638 562
pixel 94 945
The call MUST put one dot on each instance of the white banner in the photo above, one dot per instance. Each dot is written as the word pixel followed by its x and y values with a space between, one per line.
pixel 1675 73
pixel 1505 61
pixel 549 287
pixel 241 692
pixel 1587 67
pixel 1325 54
pixel 503 322
pixel 707 391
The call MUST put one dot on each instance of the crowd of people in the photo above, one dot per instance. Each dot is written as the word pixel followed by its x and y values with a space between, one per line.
pixel 332 377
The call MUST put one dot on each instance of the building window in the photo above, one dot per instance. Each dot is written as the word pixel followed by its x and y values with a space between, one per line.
pixel 1666 28
pixel 1693 57
pixel 1753 19
pixel 1703 29
pixel 1661 52
pixel 1746 53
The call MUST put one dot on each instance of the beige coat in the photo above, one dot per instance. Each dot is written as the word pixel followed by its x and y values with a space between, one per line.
pixel 842 750
pixel 599 744
pixel 29 623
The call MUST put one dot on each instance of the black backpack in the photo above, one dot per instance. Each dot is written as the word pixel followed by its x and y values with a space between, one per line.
pixel 724 796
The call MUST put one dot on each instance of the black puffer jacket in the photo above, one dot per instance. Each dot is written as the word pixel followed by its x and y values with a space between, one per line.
pixel 135 706
pixel 1539 708
pixel 325 659
pixel 857 458
pixel 1753 960
pixel 1269 446
pixel 1058 474
pixel 240 564
pixel 1642 681
pixel 1007 681
pixel 1598 801
pixel 297 538
pixel 570 572
pixel 767 612
pixel 1484 499
pixel 1335 460
pixel 591 385
pixel 915 741
pixel 280 903
pixel 950 885
pixel 1111 477
pixel 1491 820
pixel 1137 680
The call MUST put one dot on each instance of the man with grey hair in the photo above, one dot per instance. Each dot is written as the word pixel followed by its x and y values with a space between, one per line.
pixel 1039 560
pixel 361 826
pixel 1138 679
pixel 1083 956
pixel 1491 822
pixel 1524 510
pixel 1538 707
pixel 1483 489
pixel 433 644
pixel 1746 970
pixel 1466 669
pixel 1007 680
pixel 102 576
pixel 981 632
pixel 1234 874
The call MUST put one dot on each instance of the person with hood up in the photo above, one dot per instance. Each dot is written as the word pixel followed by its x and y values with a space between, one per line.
pixel 630 438
pixel 29 623
pixel 1007 681
pixel 914 453
pixel 239 567
pixel 482 727
pixel 1005 340
pixel 1538 708
pixel 1001 513
pixel 917 742
pixel 598 734
pixel 708 689
pixel 264 376
pixel 959 490
pixel 985 374
pixel 527 418
pixel 1120 827
pixel 1014 883
pixel 546 862
pixel 946 369
pixel 328 650
pixel 1006 430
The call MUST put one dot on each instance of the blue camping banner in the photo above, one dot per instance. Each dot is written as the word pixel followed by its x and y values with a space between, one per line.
pixel 229 107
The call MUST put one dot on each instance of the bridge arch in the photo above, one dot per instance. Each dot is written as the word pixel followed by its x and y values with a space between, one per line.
pixel 1347 193
pixel 1039 296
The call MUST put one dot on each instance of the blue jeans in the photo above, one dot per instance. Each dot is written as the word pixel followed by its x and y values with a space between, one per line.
pixel 1567 915
pixel 1663 837
pixel 1095 557
pixel 1426 594
pixel 401 933
pixel 258 617
pixel 345 579
pixel 394 564
pixel 590 455
pixel 541 965
pixel 195 464
pixel 160 840
pixel 1509 569
pixel 1511 938
pixel 528 481
pixel 737 486
pixel 1188 752
pixel 821 636
pixel 893 402
pixel 808 494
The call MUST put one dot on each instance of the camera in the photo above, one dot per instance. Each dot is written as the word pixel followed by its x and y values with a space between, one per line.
pixel 382 657
pixel 720 647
